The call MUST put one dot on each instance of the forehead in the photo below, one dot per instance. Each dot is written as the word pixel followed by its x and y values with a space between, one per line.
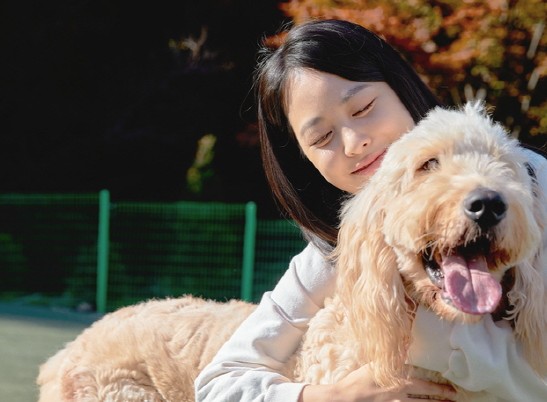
pixel 303 81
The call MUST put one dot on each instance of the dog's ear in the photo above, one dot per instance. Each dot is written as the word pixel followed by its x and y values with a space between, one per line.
pixel 529 299
pixel 529 296
pixel 371 290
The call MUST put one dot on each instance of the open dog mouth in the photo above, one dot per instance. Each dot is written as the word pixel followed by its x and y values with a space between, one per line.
pixel 463 277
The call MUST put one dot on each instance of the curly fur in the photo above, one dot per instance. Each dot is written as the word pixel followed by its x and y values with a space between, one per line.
pixel 411 205
pixel 149 352
pixel 153 351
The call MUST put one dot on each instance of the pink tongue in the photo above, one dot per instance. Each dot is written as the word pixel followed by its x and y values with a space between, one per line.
pixel 469 284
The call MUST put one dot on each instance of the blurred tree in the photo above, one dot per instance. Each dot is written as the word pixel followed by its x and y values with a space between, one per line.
pixel 464 49
pixel 201 171
pixel 116 94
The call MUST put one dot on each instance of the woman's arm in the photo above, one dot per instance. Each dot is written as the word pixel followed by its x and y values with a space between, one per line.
pixel 250 366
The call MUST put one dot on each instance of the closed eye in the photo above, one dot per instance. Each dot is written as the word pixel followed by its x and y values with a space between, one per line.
pixel 364 110
pixel 322 140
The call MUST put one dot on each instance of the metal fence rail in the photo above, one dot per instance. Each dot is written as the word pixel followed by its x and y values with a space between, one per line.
pixel 85 248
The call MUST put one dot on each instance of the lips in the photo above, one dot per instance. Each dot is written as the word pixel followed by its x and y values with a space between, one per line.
pixel 370 163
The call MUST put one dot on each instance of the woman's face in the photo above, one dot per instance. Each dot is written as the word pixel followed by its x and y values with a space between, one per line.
pixel 344 127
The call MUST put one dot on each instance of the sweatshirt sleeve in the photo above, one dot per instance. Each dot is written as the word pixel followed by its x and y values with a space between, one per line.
pixel 484 356
pixel 251 365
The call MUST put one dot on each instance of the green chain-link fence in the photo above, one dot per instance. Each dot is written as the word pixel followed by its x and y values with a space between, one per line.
pixel 84 248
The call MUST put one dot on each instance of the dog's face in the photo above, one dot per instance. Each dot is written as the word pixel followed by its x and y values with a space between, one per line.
pixel 455 203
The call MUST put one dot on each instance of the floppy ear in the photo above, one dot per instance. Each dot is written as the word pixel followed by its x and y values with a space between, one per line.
pixel 529 295
pixel 529 298
pixel 371 290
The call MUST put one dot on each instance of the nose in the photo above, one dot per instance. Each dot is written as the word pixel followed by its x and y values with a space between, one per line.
pixel 485 207
pixel 354 141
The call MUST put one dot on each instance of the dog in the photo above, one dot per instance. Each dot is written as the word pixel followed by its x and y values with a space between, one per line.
pixel 452 220
pixel 148 352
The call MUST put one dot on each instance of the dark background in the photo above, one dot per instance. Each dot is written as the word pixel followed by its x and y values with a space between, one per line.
pixel 92 96
pixel 100 94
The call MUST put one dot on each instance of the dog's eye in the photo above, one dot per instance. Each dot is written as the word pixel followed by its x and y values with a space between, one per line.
pixel 431 164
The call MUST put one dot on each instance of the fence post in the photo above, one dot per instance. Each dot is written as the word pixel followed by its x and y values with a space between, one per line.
pixel 249 242
pixel 103 240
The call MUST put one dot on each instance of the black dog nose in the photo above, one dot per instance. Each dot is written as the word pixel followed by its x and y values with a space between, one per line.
pixel 485 207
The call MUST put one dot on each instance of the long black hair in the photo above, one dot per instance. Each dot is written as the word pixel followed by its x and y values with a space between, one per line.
pixel 336 47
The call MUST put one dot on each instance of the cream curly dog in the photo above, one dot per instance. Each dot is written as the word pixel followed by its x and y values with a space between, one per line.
pixel 149 352
pixel 451 220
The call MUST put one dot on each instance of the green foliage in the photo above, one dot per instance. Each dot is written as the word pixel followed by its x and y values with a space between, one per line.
pixel 200 174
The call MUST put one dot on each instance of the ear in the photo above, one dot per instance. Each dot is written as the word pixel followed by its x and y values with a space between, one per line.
pixel 529 294
pixel 371 290
pixel 530 313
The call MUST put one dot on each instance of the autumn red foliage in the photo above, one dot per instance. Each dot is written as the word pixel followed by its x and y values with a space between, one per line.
pixel 464 49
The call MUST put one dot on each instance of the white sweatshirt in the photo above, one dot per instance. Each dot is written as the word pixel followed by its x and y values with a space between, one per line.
pixel 479 357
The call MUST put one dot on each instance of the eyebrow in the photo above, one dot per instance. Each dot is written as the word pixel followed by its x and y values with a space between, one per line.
pixel 352 91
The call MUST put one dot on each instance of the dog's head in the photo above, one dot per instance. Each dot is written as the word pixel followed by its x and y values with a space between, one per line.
pixel 450 210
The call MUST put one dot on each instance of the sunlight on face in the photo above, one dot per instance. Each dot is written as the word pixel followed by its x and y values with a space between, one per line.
pixel 344 127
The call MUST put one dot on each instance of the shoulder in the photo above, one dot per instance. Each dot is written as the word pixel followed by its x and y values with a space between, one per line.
pixel 312 267
pixel 310 276
pixel 312 255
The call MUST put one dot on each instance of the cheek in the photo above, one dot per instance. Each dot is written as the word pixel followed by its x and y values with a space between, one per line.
pixel 331 170
pixel 389 129
pixel 323 160
pixel 400 127
pixel 407 123
pixel 400 124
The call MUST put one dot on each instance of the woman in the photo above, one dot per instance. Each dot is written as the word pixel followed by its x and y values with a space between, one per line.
pixel 331 99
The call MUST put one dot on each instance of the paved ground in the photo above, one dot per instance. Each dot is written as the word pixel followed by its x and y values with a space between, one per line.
pixel 28 336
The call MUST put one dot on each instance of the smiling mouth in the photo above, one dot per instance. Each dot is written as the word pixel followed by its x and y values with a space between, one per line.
pixel 379 157
pixel 463 277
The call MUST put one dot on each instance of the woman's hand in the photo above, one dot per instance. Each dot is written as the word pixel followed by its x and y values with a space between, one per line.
pixel 358 386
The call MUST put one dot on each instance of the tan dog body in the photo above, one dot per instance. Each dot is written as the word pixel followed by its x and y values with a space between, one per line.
pixel 150 352
pixel 421 209
pixel 422 205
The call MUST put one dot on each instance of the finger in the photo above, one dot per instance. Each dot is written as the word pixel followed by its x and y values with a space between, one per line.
pixel 415 397
pixel 421 388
